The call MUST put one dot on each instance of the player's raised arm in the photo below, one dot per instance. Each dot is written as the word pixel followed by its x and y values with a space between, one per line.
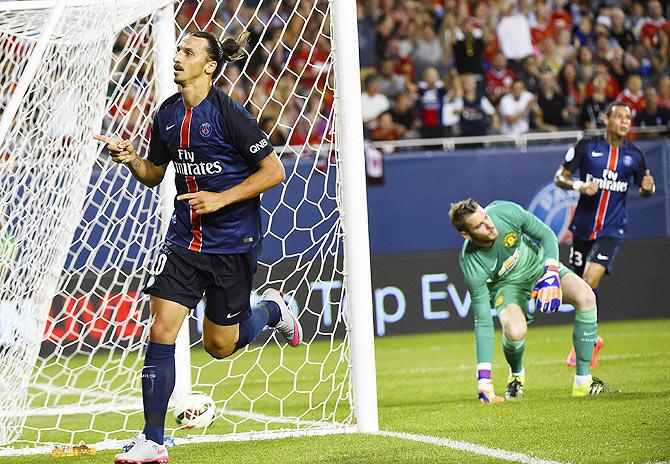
pixel 563 177
pixel 123 152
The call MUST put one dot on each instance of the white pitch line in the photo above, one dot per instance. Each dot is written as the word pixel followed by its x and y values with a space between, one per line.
pixel 468 367
pixel 467 446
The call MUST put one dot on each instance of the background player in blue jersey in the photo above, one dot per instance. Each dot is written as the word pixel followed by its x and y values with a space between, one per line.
pixel 223 162
pixel 606 166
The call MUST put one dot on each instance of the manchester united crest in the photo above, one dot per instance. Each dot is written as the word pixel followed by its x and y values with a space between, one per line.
pixel 509 240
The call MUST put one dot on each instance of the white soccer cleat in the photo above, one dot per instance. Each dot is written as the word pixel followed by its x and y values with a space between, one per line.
pixel 289 325
pixel 142 451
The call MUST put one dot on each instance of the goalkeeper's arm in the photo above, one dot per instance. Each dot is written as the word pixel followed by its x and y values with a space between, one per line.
pixel 123 152
pixel 547 291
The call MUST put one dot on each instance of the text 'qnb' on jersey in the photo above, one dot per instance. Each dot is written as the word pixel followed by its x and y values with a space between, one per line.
pixel 612 168
pixel 214 146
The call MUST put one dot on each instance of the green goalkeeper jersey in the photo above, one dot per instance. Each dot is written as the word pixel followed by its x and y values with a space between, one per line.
pixel 516 258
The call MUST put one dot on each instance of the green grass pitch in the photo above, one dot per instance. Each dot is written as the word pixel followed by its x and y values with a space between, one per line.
pixel 426 386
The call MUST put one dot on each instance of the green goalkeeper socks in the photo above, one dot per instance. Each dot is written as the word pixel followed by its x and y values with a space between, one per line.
pixel 514 353
pixel 584 335
pixel 484 340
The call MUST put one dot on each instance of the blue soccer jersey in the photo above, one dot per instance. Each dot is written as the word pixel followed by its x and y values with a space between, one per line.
pixel 604 214
pixel 214 146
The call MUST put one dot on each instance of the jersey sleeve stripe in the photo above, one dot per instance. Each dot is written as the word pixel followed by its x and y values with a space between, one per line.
pixel 196 226
pixel 612 161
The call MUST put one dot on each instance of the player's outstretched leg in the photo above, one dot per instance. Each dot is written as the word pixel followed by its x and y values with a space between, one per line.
pixel 571 360
pixel 513 321
pixel 288 325
pixel 158 377
pixel 584 335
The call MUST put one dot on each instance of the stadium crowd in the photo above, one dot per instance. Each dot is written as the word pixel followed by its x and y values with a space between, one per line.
pixel 471 68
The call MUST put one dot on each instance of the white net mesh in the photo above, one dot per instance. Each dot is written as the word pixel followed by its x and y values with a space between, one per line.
pixel 78 233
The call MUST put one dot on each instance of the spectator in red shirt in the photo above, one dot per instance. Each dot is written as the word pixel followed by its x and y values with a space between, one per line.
pixel 387 129
pixel 664 91
pixel 543 27
pixel 499 79
pixel 632 95
pixel 612 88
pixel 654 23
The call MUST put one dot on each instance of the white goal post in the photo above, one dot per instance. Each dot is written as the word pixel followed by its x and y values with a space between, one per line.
pixel 78 234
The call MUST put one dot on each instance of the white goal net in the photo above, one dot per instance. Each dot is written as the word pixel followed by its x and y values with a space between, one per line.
pixel 78 234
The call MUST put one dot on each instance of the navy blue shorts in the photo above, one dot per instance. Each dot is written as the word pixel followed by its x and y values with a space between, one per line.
pixel 602 250
pixel 183 276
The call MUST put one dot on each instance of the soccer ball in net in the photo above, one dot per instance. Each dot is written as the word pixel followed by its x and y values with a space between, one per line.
pixel 194 410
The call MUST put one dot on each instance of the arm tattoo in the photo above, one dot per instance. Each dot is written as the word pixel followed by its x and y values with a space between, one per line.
pixel 136 162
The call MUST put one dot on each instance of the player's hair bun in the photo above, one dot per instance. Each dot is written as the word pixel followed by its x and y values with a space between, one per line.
pixel 233 49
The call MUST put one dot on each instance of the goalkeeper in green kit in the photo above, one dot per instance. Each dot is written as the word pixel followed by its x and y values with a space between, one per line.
pixel 510 256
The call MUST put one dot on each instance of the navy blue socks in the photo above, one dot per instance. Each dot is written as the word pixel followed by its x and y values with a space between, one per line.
pixel 157 386
pixel 264 313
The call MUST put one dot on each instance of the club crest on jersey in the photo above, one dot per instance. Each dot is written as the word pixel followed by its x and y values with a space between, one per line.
pixel 509 240
pixel 627 161
pixel 205 129
pixel 499 300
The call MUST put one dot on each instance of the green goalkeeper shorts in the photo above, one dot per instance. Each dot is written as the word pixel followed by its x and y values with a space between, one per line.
pixel 518 292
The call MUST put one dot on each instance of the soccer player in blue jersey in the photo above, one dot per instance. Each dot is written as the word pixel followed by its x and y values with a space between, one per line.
pixel 606 166
pixel 223 162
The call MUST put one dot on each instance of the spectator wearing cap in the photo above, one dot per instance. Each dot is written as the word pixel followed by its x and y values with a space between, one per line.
pixel 515 109
pixel 652 114
pixel 632 95
pixel 593 108
pixel 373 102
pixel 554 113
pixel 499 79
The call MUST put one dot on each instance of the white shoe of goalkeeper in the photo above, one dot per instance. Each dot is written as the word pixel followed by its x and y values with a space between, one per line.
pixel 143 451
pixel 289 325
